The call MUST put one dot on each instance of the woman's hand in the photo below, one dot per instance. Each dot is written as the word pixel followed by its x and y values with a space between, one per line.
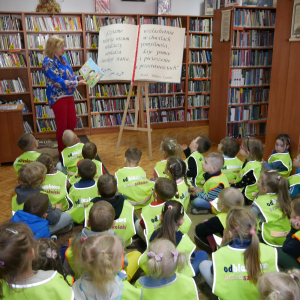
pixel 82 82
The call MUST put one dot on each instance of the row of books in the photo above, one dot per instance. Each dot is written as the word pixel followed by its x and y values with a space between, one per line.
pixel 248 95
pixel 201 25
pixel 39 95
pixel 197 114
pixel 93 56
pixel 203 56
pixel 12 86
pixel 252 38
pixel 242 77
pixel 93 23
pixel 38 78
pixel 165 88
pixel 72 41
pixel 77 95
pixel 201 41
pixel 52 23
pixel 45 125
pixel 27 127
pixel 110 105
pixel 81 108
pixel 10 23
pixel 110 120
pixel 44 111
pixel 176 22
pixel 165 102
pixel 36 58
pixel 37 41
pixel 164 116
pixel 199 86
pixel 9 60
pixel 251 58
pixel 20 101
pixel 241 130
pixel 247 113
pixel 12 41
pixel 92 40
pixel 199 71
pixel 198 100
pixel 109 90
pixel 72 57
pixel 253 18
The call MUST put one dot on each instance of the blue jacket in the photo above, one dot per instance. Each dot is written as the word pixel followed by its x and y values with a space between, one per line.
pixel 38 226
pixel 294 190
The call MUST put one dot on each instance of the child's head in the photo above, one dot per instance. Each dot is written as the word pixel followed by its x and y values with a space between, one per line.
pixel 164 259
pixel 213 163
pixel 69 138
pixel 252 148
pixel 279 285
pixel 46 160
pixel 241 224
pixel 271 182
pixel 133 156
pixel 89 150
pixel 32 175
pixel 295 206
pixel 201 144
pixel 87 169
pixel 296 162
pixel 37 204
pixel 107 186
pixel 169 147
pixel 229 198
pixel 282 143
pixel 16 252
pixel 229 147
pixel 164 189
pixel 27 142
pixel 176 169
pixel 101 216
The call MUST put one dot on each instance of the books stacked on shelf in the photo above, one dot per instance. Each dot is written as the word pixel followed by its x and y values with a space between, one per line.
pixel 39 95
pixel 10 42
pixel 201 41
pixel 20 101
pixel 37 41
pixel 203 56
pixel 241 130
pixel 109 90
pixel 52 23
pixel 12 86
pixel 77 95
pixel 253 17
pixel 81 108
pixel 92 40
pixel 93 23
pixel 245 77
pixel 110 120
pixel 248 113
pixel 10 23
pixel 110 105
pixel 72 41
pixel 38 78
pixel 44 125
pixel 9 60
pixel 164 116
pixel 183 71
pixel 248 95
pixel 165 88
pixel 197 114
pixel 27 128
pixel 198 100
pixel 165 21
pixel 93 56
pixel 72 58
pixel 199 86
pixel 79 124
pixel 43 111
pixel 201 25
pixel 165 102
pixel 199 71
pixel 252 38
pixel 36 58
pixel 251 58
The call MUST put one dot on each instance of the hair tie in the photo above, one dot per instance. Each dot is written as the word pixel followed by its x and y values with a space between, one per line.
pixel 12 230
pixel 83 239
pixel 170 207
pixel 252 231
pixel 102 251
pixel 1 263
pixel 271 171
pixel 158 257
pixel 51 253
pixel 236 228
pixel 277 292
pixel 175 254
pixel 279 177
pixel 292 276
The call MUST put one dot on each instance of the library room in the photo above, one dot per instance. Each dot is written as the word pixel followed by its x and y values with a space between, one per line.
pixel 149 147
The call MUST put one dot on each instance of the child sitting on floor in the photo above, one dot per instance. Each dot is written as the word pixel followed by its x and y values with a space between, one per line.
pixel 29 145
pixel 294 180
pixel 132 181
pixel 215 181
pixel 195 158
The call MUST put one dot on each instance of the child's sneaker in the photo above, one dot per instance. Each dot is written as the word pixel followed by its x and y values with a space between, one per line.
pixel 200 211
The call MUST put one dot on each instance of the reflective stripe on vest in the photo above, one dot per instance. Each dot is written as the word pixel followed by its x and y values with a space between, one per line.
pixel 232 167
pixel 199 159
pixel 160 169
pixel 214 182
pixel 285 159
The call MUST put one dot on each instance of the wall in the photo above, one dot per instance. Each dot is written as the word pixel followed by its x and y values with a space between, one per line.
pixel 179 7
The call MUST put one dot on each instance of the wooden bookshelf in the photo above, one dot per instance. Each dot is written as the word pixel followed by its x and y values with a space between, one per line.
pixel 223 70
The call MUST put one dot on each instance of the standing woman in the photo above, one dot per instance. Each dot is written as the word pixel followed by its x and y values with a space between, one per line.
pixel 61 84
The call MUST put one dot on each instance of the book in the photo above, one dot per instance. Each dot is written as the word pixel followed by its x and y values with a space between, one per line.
pixel 268 3
pixel 142 53
pixel 91 72
pixel 249 2
pixel 233 2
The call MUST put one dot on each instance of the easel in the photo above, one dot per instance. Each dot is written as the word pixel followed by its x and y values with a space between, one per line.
pixel 139 102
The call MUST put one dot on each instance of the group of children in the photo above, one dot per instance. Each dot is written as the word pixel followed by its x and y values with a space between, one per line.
pixel 247 244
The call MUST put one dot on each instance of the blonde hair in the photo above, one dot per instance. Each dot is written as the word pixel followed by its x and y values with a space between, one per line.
pixel 52 44
pixel 216 160
pixel 170 147
pixel 69 138
pixel 32 175
pixel 230 197
pixel 96 257
pixel 280 286
pixel 165 267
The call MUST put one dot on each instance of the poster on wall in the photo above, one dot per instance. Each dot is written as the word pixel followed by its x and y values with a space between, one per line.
pixel 295 32
pixel 233 2
pixel 209 7
pixel 102 6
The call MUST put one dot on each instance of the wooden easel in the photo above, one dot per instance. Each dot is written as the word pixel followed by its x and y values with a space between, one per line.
pixel 139 102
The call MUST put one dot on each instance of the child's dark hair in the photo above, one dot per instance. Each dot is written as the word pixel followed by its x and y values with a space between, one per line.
pixel 203 143
pixel 46 160
pixel 255 147
pixel 172 213
pixel 101 216
pixel 107 186
pixel 47 257
pixel 296 204
pixel 36 204
pixel 230 147
pixel 277 184
pixel 16 241
pixel 165 188
pixel 87 169
pixel 133 155
pixel 285 138
pixel 170 147
pixel 89 150
pixel 32 175
pixel 26 142
pixel 177 167
pixel 242 225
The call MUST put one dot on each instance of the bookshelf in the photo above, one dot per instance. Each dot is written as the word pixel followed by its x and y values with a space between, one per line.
pixel 241 73
pixel 171 105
